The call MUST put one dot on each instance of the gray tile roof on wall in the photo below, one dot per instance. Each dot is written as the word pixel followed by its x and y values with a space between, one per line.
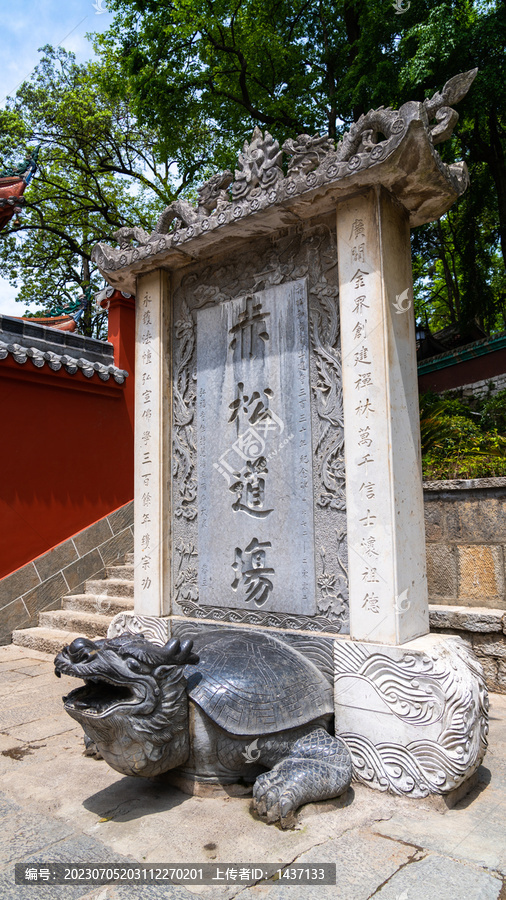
pixel 43 346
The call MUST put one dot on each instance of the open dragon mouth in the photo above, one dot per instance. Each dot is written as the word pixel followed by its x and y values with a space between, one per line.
pixel 100 696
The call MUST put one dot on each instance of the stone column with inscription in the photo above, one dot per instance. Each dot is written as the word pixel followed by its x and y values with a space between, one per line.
pixel 152 447
pixel 278 479
pixel 384 500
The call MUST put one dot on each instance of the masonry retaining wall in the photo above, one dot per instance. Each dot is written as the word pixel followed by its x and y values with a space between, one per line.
pixel 465 524
pixel 41 584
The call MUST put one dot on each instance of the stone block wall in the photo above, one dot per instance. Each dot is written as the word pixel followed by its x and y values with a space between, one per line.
pixel 487 387
pixel 41 584
pixel 465 525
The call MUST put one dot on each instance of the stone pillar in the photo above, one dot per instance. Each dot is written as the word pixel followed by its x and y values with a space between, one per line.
pixel 386 539
pixel 152 445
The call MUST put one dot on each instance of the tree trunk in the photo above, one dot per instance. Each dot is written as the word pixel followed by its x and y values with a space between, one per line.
pixel 452 291
pixel 497 164
pixel 85 284
pixel 351 17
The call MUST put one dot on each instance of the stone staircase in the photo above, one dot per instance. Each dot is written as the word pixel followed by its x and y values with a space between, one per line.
pixel 87 614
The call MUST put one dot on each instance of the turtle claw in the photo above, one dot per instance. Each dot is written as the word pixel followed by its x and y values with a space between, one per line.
pixel 286 807
pixel 273 813
pixel 318 768
pixel 271 799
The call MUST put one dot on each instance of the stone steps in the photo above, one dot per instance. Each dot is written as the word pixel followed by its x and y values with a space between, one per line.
pixel 88 624
pixel 88 614
pixel 48 640
pixel 103 604
pixel 115 587
pixel 126 573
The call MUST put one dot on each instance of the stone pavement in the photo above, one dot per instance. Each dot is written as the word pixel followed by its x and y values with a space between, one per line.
pixel 58 805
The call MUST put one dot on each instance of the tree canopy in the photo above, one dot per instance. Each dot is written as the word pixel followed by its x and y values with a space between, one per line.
pixel 179 84
pixel 97 170
pixel 201 73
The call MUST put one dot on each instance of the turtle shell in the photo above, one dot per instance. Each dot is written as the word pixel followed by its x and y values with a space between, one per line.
pixel 250 683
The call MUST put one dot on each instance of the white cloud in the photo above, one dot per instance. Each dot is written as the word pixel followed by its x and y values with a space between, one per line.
pixel 8 304
pixel 31 25
pixel 50 22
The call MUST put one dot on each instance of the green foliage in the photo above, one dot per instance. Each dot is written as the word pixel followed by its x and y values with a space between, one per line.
pixel 477 466
pixel 178 87
pixel 463 440
pixel 202 73
pixel 461 259
pixel 494 413
pixel 97 170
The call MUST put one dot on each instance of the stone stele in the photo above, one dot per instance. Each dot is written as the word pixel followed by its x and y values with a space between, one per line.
pixel 278 476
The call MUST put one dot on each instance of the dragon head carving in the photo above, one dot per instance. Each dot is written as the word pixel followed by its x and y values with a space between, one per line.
pixel 133 704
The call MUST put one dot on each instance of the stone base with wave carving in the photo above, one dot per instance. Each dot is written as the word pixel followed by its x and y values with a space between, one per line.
pixel 414 717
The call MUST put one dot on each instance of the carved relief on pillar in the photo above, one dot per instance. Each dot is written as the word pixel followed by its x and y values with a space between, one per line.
pixel 309 254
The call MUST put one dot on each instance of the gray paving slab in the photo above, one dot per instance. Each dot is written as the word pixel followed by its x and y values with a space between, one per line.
pixel 37 667
pixel 15 651
pixel 8 665
pixel 55 798
pixel 39 685
pixel 474 830
pixel 441 878
pixel 146 892
pixel 42 729
pixel 43 841
pixel 25 832
pixel 363 862
pixel 11 891
pixel 6 742
pixel 8 679
pixel 10 717
pixel 80 849
pixel 34 693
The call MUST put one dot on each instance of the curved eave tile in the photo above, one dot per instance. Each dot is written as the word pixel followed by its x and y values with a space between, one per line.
pixel 40 358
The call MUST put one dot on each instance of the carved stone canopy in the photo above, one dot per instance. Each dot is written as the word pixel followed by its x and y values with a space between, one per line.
pixel 392 148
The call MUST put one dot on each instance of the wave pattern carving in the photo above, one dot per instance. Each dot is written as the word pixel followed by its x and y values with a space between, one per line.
pixel 438 698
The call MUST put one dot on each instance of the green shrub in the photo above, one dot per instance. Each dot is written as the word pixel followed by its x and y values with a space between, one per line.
pixel 468 467
pixel 494 413
pixel 461 442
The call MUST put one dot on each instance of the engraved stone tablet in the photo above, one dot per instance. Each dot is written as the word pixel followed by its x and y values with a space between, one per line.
pixel 254 469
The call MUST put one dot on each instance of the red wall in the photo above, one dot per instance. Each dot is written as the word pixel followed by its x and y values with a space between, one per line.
pixel 466 372
pixel 66 448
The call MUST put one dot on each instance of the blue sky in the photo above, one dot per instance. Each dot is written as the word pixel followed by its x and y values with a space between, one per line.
pixel 25 26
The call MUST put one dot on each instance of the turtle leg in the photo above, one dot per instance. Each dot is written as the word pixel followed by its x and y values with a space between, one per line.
pixel 318 767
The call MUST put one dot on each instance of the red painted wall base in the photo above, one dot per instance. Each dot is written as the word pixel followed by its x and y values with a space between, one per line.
pixel 66 457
